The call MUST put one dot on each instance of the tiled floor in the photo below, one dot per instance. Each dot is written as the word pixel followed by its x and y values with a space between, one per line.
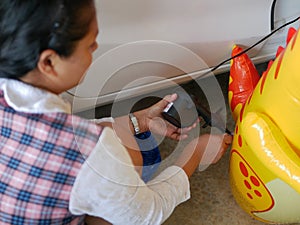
pixel 211 202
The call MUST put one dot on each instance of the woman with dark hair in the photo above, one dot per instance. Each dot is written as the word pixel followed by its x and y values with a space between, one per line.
pixel 58 168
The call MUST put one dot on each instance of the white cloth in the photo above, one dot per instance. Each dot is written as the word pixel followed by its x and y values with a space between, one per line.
pixel 25 98
pixel 107 185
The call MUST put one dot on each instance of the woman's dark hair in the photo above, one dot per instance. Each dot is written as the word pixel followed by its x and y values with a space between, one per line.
pixel 28 27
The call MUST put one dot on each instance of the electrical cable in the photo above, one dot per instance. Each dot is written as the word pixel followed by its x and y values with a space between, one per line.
pixel 273 15
pixel 241 53
pixel 257 43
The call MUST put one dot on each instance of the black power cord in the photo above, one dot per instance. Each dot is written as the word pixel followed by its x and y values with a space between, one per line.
pixel 257 43
pixel 246 50
pixel 273 14
pixel 172 115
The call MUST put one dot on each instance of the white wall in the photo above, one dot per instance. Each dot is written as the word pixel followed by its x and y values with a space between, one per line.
pixel 145 45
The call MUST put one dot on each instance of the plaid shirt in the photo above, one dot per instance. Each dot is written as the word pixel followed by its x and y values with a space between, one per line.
pixel 40 157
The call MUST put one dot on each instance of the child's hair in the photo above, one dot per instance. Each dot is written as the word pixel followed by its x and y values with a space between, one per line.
pixel 27 27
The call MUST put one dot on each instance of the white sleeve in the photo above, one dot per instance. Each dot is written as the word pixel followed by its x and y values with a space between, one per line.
pixel 108 186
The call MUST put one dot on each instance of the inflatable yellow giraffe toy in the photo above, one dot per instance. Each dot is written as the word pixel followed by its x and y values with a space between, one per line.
pixel 265 154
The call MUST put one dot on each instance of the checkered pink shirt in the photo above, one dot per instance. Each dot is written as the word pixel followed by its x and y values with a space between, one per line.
pixel 40 157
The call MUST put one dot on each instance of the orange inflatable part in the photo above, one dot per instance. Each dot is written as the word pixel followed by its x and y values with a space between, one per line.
pixel 265 153
pixel 240 89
